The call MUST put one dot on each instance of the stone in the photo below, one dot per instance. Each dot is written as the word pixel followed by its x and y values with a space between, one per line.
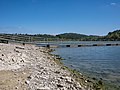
pixel 57 72
pixel 29 77
pixel 22 61
pixel 27 82
pixel 20 47
pixel 43 73
pixel 16 87
pixel 43 88
pixel 1 59
pixel 61 78
pixel 13 60
pixel 69 80
pixel 16 51
pixel 59 85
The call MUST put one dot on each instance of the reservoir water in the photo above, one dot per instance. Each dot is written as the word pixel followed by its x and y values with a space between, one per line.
pixel 99 61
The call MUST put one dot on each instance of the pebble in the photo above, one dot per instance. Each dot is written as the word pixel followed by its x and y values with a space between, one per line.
pixel 27 82
pixel 45 74
pixel 16 87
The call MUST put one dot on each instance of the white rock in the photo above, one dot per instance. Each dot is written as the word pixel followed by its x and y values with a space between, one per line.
pixel 27 82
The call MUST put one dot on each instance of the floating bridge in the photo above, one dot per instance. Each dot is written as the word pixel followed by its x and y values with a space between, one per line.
pixel 60 44
pixel 75 45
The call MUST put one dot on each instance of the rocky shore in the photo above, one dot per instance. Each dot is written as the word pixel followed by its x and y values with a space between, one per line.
pixel 28 67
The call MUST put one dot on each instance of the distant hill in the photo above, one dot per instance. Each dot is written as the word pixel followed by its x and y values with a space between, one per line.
pixel 71 36
pixel 115 35
pixel 76 36
pixel 28 37
pixel 111 36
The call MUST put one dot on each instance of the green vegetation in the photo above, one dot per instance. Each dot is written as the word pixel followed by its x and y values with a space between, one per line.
pixel 112 36
pixel 79 37
pixel 28 37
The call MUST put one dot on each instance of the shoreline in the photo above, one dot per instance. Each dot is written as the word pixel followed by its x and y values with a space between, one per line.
pixel 90 83
pixel 29 67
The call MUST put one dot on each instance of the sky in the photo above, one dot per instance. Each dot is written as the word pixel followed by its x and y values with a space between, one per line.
pixel 91 17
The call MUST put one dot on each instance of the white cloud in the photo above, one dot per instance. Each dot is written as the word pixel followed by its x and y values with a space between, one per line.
pixel 113 4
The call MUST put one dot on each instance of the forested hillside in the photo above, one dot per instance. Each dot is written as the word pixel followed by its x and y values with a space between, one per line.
pixel 115 35
pixel 111 36
pixel 75 36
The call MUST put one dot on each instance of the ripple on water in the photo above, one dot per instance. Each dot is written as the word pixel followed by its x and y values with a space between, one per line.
pixel 102 62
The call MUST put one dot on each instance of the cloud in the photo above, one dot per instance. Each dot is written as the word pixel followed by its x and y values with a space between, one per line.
pixel 11 27
pixel 113 4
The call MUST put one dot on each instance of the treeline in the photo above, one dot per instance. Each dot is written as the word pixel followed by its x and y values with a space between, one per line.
pixel 28 37
pixel 78 37
pixel 112 36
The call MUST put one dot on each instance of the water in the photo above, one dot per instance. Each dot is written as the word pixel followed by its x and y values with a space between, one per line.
pixel 100 62
pixel 60 43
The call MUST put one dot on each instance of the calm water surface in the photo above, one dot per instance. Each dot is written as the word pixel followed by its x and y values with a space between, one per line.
pixel 100 61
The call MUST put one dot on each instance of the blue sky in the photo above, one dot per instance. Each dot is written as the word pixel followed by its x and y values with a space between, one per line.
pixel 96 17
